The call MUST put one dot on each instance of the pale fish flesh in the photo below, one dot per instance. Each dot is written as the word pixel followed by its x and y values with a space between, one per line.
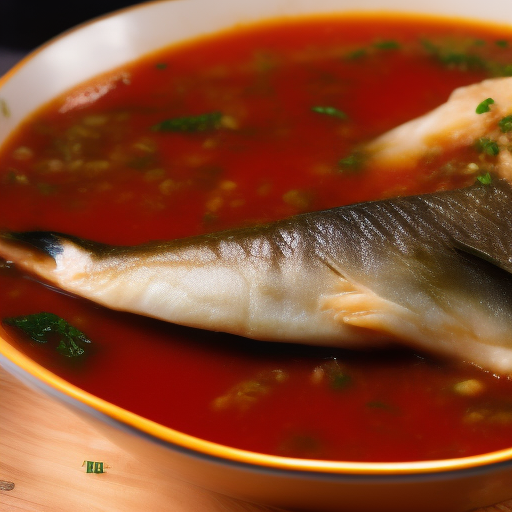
pixel 432 272
pixel 454 124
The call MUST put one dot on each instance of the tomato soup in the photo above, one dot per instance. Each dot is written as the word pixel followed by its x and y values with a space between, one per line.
pixel 244 127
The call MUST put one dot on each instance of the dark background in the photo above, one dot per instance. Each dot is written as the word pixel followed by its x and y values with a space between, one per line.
pixel 26 24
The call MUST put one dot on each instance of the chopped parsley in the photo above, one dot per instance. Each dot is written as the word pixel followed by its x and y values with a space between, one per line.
pixel 190 124
pixel 485 179
pixel 467 56
pixel 377 45
pixel 505 124
pixel 454 57
pixel 337 378
pixel 387 45
pixel 351 163
pixel 483 106
pixel 340 381
pixel 330 111
pixel 45 327
pixel 488 146
pixel 357 54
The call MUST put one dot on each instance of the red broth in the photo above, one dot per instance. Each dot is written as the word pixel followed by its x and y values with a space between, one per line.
pixel 89 164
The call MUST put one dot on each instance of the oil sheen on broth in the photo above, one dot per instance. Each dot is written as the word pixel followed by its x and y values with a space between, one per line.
pixel 270 121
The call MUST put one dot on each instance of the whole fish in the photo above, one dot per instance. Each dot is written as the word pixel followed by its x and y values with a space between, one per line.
pixel 431 271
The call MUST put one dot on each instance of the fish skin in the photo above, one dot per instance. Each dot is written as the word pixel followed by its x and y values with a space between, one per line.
pixel 433 272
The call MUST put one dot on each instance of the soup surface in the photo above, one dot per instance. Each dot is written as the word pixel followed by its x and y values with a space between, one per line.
pixel 250 126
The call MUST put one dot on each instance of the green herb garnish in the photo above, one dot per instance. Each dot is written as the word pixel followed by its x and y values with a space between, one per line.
pixel 330 111
pixel 337 377
pixel 502 43
pixel 483 106
pixel 45 327
pixel 351 163
pixel 356 54
pixel 92 466
pixel 485 179
pixel 462 60
pixel 189 124
pixel 387 45
pixel 488 146
pixel 161 65
pixel 464 56
pixel 454 57
pixel 505 124
pixel 340 381
pixel 377 45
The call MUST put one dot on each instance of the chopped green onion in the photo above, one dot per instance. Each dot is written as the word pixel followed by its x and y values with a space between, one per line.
pixel 464 60
pixel 485 179
pixel 357 54
pixel 453 57
pixel 340 381
pixel 487 146
pixel 43 327
pixel 338 378
pixel 189 124
pixel 429 46
pixel 93 466
pixel 351 163
pixel 330 111
pixel 483 106
pixel 505 124
pixel 387 45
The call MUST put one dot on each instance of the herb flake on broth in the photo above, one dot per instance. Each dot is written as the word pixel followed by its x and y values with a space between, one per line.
pixel 46 327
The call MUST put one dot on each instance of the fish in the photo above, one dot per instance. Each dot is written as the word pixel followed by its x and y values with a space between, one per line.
pixel 432 272
pixel 454 124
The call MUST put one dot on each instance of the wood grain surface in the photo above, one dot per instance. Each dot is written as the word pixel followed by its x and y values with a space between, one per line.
pixel 43 447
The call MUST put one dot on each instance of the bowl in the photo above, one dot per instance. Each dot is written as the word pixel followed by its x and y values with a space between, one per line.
pixel 96 47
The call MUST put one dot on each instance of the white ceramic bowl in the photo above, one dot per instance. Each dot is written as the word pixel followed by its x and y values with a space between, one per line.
pixel 449 485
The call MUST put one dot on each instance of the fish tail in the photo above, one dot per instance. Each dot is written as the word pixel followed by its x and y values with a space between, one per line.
pixel 45 241
pixel 34 251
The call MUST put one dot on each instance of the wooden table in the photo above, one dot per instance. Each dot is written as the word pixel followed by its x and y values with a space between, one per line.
pixel 43 447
